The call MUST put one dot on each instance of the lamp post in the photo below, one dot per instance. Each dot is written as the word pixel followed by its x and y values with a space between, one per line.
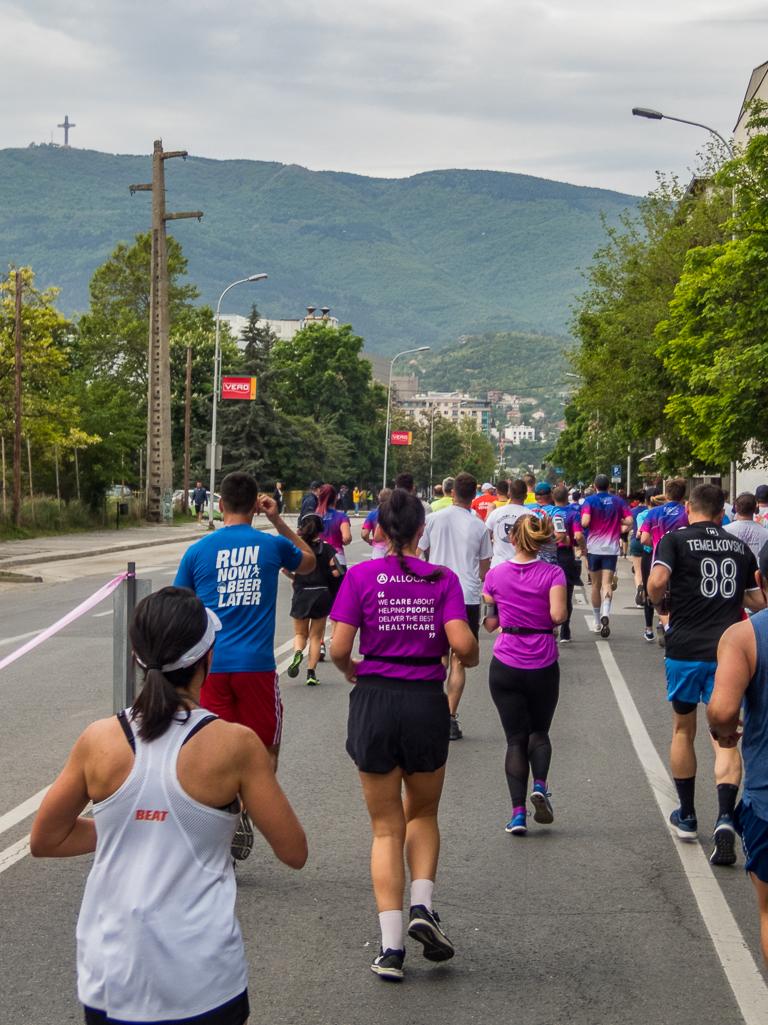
pixel 216 383
pixel 656 115
pixel 405 352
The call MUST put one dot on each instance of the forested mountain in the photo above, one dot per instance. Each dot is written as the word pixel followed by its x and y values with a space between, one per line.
pixel 411 261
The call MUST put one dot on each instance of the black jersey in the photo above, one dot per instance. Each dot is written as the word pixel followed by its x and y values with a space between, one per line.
pixel 710 569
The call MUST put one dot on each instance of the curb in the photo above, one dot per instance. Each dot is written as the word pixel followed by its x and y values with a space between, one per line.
pixel 19 578
pixel 34 560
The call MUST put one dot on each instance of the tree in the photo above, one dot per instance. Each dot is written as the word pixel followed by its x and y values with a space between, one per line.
pixel 115 330
pixel 478 455
pixel 323 379
pixel 713 342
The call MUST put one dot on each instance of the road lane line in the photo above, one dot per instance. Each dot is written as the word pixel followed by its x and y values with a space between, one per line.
pixel 22 811
pixel 738 964
pixel 20 637
pixel 98 615
pixel 14 853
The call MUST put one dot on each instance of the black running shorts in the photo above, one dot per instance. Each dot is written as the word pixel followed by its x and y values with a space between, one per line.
pixel 394 722
pixel 234 1012
pixel 473 618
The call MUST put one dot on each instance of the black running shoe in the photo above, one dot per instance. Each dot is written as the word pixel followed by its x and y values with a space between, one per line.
pixel 640 596
pixel 242 841
pixel 424 926
pixel 322 652
pixel 724 839
pixel 312 680
pixel 661 635
pixel 389 964
pixel 456 732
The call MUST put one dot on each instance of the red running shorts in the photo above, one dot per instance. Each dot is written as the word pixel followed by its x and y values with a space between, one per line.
pixel 251 699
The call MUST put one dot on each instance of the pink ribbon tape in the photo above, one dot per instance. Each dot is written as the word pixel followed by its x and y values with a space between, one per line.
pixel 70 617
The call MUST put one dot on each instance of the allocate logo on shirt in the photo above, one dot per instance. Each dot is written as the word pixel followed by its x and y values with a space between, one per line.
pixel 151 816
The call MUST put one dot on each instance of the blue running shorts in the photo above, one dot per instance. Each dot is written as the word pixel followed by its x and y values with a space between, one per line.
pixel 754 838
pixel 690 682
pixel 597 562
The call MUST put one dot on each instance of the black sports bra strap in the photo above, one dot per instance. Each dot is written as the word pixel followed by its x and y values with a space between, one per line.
pixel 122 718
pixel 198 726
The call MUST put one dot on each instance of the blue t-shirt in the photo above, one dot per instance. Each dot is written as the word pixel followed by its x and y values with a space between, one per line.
pixel 234 571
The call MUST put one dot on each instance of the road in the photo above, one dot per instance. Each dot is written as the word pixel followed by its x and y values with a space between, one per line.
pixel 592 920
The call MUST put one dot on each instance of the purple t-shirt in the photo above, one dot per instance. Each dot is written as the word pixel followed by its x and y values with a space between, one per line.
pixel 521 592
pixel 332 522
pixel 664 518
pixel 399 615
pixel 606 513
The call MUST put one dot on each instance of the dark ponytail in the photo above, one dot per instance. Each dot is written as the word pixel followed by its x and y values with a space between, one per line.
pixel 311 527
pixel 400 517
pixel 164 625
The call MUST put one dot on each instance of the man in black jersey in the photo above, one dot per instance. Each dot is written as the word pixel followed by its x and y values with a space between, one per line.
pixel 710 574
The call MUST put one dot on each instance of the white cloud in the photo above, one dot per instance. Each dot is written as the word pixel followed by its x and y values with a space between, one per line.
pixel 388 87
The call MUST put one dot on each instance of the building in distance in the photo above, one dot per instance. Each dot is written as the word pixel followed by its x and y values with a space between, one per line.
pixel 455 406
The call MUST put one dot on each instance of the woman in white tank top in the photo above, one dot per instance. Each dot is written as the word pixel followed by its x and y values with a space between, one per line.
pixel 157 936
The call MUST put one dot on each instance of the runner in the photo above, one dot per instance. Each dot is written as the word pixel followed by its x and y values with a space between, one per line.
pixel 234 570
pixel 446 501
pixel 408 614
pixel 455 538
pixel 485 501
pixel 742 675
pixel 710 574
pixel 566 523
pixel 338 534
pixel 603 515
pixel 745 527
pixel 664 517
pixel 636 547
pixel 530 480
pixel 309 502
pixel 405 482
pixel 501 521
pixel 545 507
pixel 199 498
pixel 157 935
pixel 646 561
pixel 761 494
pixel 437 494
pixel 379 548
pixel 312 601
pixel 527 599
pixel 502 494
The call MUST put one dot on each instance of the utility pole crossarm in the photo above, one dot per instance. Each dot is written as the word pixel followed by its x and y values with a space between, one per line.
pixel 175 153
pixel 139 188
pixel 177 217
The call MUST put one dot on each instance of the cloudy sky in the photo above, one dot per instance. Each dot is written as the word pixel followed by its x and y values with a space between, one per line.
pixel 386 87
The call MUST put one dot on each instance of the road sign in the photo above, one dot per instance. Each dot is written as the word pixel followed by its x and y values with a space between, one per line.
pixel 208 457
pixel 238 387
pixel 616 473
pixel 401 437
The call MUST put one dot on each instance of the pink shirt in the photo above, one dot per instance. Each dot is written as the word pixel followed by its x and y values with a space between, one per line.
pixel 521 592
pixel 399 614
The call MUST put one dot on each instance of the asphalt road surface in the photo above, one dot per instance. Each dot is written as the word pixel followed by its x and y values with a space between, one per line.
pixel 596 919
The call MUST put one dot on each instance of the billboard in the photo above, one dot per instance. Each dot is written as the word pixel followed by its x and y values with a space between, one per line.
pixel 238 387
pixel 400 437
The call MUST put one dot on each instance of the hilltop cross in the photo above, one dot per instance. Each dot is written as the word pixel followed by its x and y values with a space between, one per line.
pixel 66 126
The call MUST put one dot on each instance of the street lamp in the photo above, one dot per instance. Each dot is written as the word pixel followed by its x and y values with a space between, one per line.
pixel 422 348
pixel 656 115
pixel 216 382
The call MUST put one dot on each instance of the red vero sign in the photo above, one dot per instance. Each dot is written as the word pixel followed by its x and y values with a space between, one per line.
pixel 400 437
pixel 238 387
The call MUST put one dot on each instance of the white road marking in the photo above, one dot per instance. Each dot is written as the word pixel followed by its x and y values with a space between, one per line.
pixel 23 810
pixel 14 853
pixel 738 964
pixel 98 615
pixel 20 637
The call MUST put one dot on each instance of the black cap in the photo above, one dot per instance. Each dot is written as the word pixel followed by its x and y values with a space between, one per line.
pixel 314 484
pixel 761 494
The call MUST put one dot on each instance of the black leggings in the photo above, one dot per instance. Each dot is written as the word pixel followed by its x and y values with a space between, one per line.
pixel 645 571
pixel 526 700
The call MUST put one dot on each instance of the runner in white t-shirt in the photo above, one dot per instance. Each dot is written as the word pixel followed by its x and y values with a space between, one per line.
pixel 503 518
pixel 456 538
pixel 744 526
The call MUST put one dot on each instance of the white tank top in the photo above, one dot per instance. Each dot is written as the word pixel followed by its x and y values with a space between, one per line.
pixel 157 936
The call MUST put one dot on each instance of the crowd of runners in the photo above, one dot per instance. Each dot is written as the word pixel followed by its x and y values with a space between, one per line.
pixel 179 781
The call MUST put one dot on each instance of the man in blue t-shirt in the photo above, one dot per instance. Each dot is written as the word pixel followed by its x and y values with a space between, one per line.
pixel 234 571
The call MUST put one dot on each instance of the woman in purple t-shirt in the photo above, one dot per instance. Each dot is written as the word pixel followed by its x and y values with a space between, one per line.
pixel 527 599
pixel 409 613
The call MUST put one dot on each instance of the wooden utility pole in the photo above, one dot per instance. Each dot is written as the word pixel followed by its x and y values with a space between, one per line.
pixel 5 489
pixel 187 417
pixel 31 486
pixel 17 409
pixel 159 457
pixel 56 459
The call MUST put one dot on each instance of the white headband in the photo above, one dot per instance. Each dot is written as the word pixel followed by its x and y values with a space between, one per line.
pixel 212 627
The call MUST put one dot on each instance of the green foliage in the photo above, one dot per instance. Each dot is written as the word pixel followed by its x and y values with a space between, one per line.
pixel 47 516
pixel 714 342
pixel 115 330
pixel 409 261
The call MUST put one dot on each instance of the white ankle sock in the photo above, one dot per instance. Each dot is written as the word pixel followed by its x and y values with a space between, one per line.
pixel 597 616
pixel 605 609
pixel 391 924
pixel 421 892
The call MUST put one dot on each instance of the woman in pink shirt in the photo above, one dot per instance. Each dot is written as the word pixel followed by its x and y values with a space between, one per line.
pixel 527 599
pixel 408 613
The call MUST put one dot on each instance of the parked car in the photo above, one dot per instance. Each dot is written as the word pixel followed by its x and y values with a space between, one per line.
pixel 120 491
pixel 178 495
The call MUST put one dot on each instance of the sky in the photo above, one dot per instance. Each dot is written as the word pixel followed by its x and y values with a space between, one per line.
pixel 386 88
